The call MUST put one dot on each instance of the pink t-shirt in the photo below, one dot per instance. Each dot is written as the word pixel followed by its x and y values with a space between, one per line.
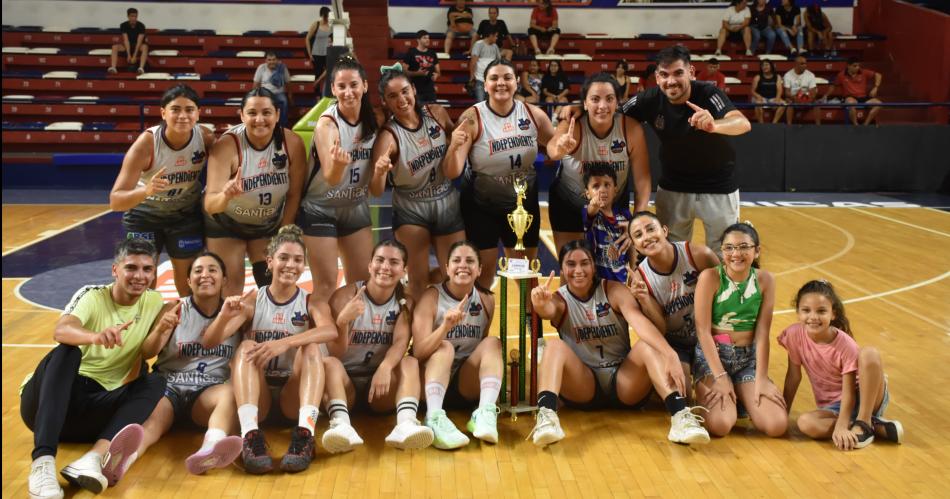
pixel 825 363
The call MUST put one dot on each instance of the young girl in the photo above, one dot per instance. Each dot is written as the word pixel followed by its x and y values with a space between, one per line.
pixel 733 311
pixel 822 342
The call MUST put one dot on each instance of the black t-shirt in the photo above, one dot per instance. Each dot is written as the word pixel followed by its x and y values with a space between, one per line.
pixel 426 61
pixel 460 20
pixel 788 16
pixel 693 160
pixel 500 27
pixel 554 84
pixel 133 32
pixel 760 18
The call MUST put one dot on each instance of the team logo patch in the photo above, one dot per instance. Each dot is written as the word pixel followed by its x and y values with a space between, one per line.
pixel 434 132
pixel 191 244
pixel 507 127
pixel 279 160
pixel 198 157
pixel 659 123
pixel 524 123
pixel 180 161
pixel 602 309
pixel 422 141
pixel 601 149
pixel 300 319
pixel 475 309
pixel 278 318
pixel 148 236
pixel 262 163
pixel 690 278
pixel 391 318
pixel 618 146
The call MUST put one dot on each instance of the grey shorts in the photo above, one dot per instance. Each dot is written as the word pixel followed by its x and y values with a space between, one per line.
pixel 441 216
pixel 677 210
pixel 739 362
pixel 333 221
pixel 182 398
pixel 181 234
pixel 605 391
pixel 220 225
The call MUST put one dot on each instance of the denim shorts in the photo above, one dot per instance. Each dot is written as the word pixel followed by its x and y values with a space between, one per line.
pixel 739 362
pixel 876 416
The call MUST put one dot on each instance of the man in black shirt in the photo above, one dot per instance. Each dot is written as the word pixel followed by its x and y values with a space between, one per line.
pixel 133 43
pixel 691 119
pixel 506 42
pixel 423 68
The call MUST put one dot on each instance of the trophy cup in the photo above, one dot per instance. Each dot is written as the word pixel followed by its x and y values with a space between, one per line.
pixel 520 219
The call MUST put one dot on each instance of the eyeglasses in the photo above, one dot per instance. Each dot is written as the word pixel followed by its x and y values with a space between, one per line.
pixel 744 248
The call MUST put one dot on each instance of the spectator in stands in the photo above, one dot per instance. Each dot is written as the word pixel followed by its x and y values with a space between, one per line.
pixel 647 78
pixel 819 30
pixel 712 74
pixel 761 25
pixel 506 42
pixel 554 85
pixel 133 43
pixel 483 53
pixel 853 84
pixel 735 26
pixel 531 83
pixel 801 87
pixel 767 89
pixel 544 24
pixel 620 74
pixel 788 25
pixel 274 76
pixel 459 20
pixel 316 42
pixel 422 65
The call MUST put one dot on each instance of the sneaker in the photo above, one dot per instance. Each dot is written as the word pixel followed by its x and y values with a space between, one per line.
pixel 718 53
pixel 484 423
pixel 447 436
pixel 748 53
pixel 300 452
pixel 112 70
pixel 221 454
pixel 340 437
pixel 893 430
pixel 686 427
pixel 866 437
pixel 86 473
pixel 123 451
pixel 254 453
pixel 141 71
pixel 43 483
pixel 410 435
pixel 548 428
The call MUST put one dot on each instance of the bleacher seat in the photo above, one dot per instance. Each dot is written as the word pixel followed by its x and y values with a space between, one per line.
pixel 303 77
pixel 577 57
pixel 18 97
pixel 61 75
pixel 54 29
pixel 732 80
pixel 78 99
pixel 257 32
pixel 64 126
pixel 24 126
pixel 821 81
pixel 187 76
pixel 154 76
pixel 43 50
pixel 100 52
pixel 100 126
pixel 772 57
pixel 163 53
pixel 15 50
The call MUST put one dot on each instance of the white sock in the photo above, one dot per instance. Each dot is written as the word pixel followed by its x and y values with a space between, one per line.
pixel 406 409
pixel 337 410
pixel 307 417
pixel 435 393
pixel 212 436
pixel 247 415
pixel 490 388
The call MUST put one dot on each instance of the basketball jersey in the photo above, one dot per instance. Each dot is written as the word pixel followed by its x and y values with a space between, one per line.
pixel 675 292
pixel 182 169
pixel 273 321
pixel 184 362
pixel 371 335
pixel 417 174
pixel 591 328
pixel 736 305
pixel 506 147
pixel 591 150
pixel 265 178
pixel 467 334
pixel 602 232
pixel 354 186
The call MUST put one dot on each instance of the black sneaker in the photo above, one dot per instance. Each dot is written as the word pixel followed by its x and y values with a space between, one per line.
pixel 254 453
pixel 867 434
pixel 893 430
pixel 300 453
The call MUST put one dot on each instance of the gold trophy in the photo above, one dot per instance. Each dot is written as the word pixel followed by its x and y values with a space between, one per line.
pixel 520 219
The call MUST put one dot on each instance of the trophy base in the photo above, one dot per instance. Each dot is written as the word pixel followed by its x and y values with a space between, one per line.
pixel 520 408
pixel 518 275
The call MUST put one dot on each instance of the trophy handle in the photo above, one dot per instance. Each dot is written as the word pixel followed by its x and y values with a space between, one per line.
pixel 503 264
pixel 535 265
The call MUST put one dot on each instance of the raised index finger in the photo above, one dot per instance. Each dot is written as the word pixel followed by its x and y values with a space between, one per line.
pixel 161 172
pixel 464 302
pixel 126 325
pixel 570 128
pixel 694 107
pixel 547 282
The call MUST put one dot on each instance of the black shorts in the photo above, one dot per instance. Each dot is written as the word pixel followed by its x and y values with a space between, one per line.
pixel 183 399
pixel 220 225
pixel 485 226
pixel 539 33
pixel 566 216
pixel 319 64
pixel 180 234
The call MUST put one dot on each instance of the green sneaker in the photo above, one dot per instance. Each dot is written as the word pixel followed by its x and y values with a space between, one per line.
pixel 447 436
pixel 484 423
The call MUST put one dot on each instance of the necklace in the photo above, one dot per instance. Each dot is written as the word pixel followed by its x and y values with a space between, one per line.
pixel 115 310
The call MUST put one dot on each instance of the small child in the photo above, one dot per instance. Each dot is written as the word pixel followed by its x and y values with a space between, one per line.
pixel 605 226
pixel 822 342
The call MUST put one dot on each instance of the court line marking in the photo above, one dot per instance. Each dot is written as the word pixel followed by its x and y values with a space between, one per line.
pixel 27 345
pixel 849 245
pixel 53 232
pixel 16 292
pixel 939 233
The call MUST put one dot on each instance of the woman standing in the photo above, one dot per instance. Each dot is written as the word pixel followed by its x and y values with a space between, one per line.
pixel 315 43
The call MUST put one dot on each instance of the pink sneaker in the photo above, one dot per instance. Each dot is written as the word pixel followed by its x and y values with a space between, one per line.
pixel 122 452
pixel 223 453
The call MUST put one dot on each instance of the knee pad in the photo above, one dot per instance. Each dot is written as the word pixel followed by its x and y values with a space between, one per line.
pixel 262 276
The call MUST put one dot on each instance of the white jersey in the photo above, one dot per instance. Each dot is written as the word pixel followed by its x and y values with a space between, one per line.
pixel 371 335
pixel 273 321
pixel 675 292
pixel 506 147
pixel 182 169
pixel 592 150
pixel 467 334
pixel 184 362
pixel 417 174
pixel 265 176
pixel 591 328
pixel 353 189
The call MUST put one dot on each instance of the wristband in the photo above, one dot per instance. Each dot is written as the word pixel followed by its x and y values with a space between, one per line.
pixel 720 375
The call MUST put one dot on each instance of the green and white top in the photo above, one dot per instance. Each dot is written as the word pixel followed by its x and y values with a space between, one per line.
pixel 736 305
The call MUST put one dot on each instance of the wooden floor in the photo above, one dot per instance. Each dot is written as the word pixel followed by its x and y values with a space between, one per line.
pixel 891 264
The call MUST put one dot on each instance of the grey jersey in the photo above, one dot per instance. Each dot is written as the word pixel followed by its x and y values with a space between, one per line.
pixel 265 178
pixel 467 334
pixel 675 293
pixel 592 150
pixel 506 147
pixel 184 362
pixel 371 335
pixel 417 174
pixel 273 321
pixel 354 187
pixel 591 328
pixel 182 169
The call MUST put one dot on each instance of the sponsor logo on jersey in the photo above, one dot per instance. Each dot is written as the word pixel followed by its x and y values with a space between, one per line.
pixel 507 127
pixel 360 154
pixel 377 319
pixel 618 146
pixel 391 317
pixel 674 288
pixel 524 123
pixel 593 333
pixel 148 236
pixel 465 331
pixel 602 309
pixel 279 160
pixel 278 318
pixel 198 157
pixel 503 144
pixel 180 161
pixel 264 180
pixel 262 163
pixel 602 149
pixel 268 335
pixel 423 160
pixel 299 319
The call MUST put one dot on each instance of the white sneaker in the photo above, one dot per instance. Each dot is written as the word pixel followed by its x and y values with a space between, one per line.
pixel 43 483
pixel 685 427
pixel 718 53
pixel 748 52
pixel 447 436
pixel 548 428
pixel 410 435
pixel 340 437
pixel 484 423
pixel 86 473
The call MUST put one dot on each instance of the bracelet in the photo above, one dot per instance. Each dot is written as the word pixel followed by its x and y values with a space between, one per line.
pixel 720 375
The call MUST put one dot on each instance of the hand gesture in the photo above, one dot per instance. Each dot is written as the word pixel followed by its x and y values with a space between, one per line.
pixel 701 119
pixel 234 306
pixel 111 336
pixel 353 308
pixel 623 242
pixel 637 285
pixel 339 156
pixel 596 204
pixel 765 388
pixel 459 136
pixel 566 143
pixel 455 315
pixel 844 438
pixel 543 294
pixel 569 112
pixel 171 318
pixel 720 391
pixel 379 385
pixel 383 166
pixel 158 183
pixel 260 354
pixel 235 186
